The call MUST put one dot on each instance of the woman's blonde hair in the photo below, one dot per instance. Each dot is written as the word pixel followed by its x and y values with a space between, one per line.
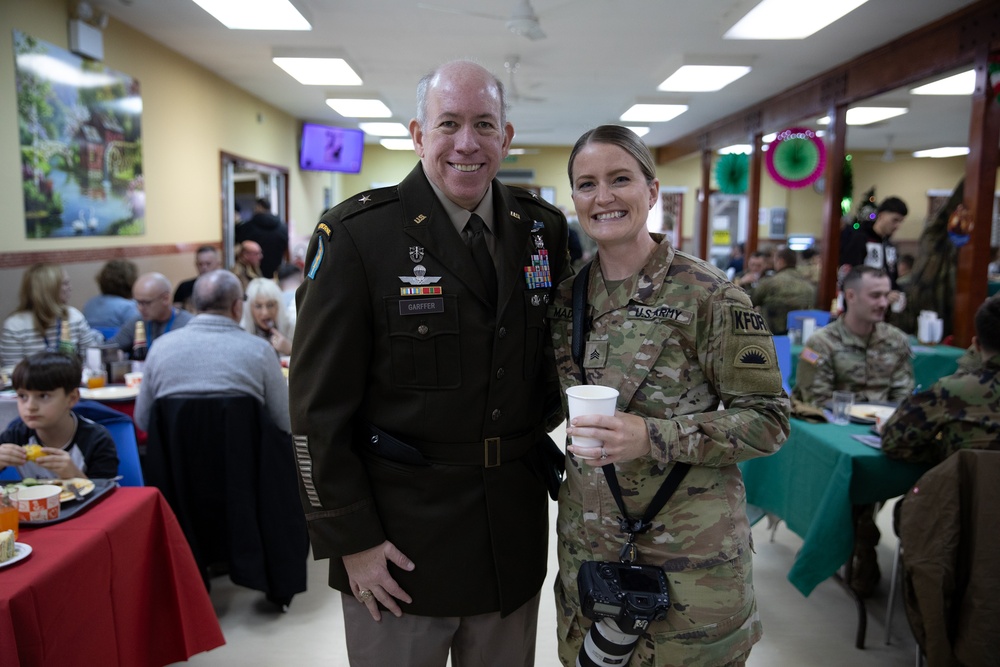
pixel 269 291
pixel 41 286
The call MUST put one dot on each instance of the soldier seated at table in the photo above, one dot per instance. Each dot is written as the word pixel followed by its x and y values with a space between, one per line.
pixel 782 292
pixel 860 353
pixel 959 411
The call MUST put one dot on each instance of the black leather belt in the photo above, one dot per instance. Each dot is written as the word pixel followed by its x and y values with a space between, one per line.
pixel 488 453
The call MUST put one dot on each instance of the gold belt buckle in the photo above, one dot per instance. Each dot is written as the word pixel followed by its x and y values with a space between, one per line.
pixel 491 452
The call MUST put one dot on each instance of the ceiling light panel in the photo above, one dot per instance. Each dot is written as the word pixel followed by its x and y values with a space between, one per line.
pixel 790 19
pixel 255 14
pixel 703 78
pixel 639 131
pixel 944 151
pixel 318 71
pixel 653 113
pixel 867 115
pixel 384 129
pixel 359 108
pixel 397 144
pixel 963 83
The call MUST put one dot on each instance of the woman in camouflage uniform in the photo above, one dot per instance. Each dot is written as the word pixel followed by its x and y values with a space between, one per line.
pixel 675 338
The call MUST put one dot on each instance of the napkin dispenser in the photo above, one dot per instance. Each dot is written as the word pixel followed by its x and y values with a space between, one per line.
pixel 808 328
pixel 930 327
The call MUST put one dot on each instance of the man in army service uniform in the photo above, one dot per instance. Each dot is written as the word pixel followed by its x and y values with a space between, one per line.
pixel 782 292
pixel 421 386
pixel 858 352
pixel 959 411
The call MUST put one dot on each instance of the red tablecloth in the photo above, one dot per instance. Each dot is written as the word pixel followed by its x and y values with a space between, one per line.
pixel 116 585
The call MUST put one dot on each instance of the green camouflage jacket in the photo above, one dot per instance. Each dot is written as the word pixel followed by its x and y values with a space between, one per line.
pixel 834 358
pixel 676 340
pixel 960 411
pixel 776 295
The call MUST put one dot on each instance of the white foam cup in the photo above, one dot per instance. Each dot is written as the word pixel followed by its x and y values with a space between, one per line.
pixel 590 399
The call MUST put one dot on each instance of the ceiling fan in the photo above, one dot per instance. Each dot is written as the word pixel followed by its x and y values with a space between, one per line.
pixel 522 21
pixel 511 64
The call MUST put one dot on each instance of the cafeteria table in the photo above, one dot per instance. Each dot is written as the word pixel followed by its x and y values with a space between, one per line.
pixel 812 482
pixel 114 585
pixel 930 362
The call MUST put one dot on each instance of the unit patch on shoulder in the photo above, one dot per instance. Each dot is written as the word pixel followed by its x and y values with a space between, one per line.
pixel 748 322
pixel 810 355
pixel 317 258
pixel 753 356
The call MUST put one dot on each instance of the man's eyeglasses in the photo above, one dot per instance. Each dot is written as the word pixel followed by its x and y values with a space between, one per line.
pixel 146 303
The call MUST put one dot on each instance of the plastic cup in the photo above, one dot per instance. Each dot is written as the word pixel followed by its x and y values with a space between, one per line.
pixel 590 399
pixel 96 379
pixel 8 511
pixel 843 401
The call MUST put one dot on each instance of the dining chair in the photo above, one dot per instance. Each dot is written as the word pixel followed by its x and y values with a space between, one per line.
pixel 229 474
pixel 949 554
pixel 122 430
pixel 783 351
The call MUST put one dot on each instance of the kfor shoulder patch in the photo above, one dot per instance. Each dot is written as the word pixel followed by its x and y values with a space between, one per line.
pixel 810 355
pixel 748 322
pixel 754 356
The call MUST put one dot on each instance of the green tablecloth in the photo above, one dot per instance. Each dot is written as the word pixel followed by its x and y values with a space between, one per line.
pixel 812 482
pixel 930 362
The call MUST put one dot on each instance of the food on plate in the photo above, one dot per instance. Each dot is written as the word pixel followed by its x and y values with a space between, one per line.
pixel 6 545
pixel 33 451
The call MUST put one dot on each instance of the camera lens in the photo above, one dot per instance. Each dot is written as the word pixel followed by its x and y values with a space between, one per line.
pixel 605 645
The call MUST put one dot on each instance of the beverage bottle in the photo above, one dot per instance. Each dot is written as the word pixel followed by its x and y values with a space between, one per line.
pixel 66 345
pixel 139 347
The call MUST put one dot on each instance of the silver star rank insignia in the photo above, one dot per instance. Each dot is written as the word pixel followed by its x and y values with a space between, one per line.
pixel 365 199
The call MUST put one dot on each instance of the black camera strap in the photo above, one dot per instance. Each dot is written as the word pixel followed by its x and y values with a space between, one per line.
pixel 631 527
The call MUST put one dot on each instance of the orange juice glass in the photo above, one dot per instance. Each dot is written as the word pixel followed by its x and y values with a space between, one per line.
pixel 96 380
pixel 8 515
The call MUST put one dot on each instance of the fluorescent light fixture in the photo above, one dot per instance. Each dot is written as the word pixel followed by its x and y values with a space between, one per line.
pixel 703 78
pixel 397 144
pixel 255 14
pixel 800 243
pixel 640 131
pixel 944 151
pixel 768 138
pixel 384 129
pixel 357 108
pixel 318 71
pixel 790 19
pixel 867 115
pixel 963 83
pixel 735 148
pixel 653 113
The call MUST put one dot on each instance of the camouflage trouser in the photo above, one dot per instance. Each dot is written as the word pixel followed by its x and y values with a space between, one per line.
pixel 702 629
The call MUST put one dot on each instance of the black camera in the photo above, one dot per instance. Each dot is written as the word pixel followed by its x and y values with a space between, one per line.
pixel 632 595
pixel 621 599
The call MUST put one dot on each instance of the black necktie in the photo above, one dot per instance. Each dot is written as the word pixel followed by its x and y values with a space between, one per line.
pixel 476 240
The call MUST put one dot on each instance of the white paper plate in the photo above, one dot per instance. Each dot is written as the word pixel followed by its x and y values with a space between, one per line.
pixel 113 393
pixel 21 551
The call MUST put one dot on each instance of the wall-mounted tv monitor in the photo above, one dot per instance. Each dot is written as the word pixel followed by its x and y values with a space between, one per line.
pixel 326 148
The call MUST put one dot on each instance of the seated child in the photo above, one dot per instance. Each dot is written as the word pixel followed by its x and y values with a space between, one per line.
pixel 48 386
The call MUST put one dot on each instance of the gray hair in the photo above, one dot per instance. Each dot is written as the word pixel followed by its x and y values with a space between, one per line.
pixel 216 291
pixel 268 290
pixel 426 81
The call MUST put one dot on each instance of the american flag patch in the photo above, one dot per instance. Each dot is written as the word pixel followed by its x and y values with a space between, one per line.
pixel 809 355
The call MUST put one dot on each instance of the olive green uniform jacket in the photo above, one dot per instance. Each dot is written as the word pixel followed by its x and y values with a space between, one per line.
pixel 834 358
pixel 442 373
pixel 675 340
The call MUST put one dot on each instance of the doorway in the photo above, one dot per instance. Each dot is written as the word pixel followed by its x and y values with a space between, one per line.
pixel 243 182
